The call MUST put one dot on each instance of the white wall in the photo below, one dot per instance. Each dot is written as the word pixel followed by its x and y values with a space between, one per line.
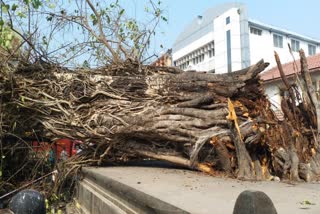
pixel 261 47
pixel 207 65
pixel 193 46
pixel 273 93
pixel 221 41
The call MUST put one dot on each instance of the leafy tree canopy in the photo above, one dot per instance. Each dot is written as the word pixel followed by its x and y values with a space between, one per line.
pixel 80 32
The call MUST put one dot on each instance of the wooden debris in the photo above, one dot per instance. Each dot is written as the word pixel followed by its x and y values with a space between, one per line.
pixel 215 123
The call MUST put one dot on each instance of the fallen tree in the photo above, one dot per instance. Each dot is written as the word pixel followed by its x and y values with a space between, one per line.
pixel 216 123
pixel 298 153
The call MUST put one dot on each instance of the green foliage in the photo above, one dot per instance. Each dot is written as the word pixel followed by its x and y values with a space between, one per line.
pixel 5 8
pixel 51 6
pixel 6 36
pixel 94 19
pixel 36 4
pixel 164 18
pixel 44 40
pixel 21 15
pixel 103 31
pixel 27 1
pixel 307 202
pixel 14 7
pixel 85 64
pixel 121 12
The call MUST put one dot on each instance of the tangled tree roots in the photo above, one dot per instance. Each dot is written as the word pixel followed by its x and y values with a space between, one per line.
pixel 216 123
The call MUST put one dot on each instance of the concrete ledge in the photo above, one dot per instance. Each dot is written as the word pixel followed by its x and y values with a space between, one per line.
pixel 100 194
pixel 94 200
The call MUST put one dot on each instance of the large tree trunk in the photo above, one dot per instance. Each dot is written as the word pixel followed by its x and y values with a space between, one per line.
pixel 216 123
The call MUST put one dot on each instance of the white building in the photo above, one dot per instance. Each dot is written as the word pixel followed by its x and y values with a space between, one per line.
pixel 273 83
pixel 225 40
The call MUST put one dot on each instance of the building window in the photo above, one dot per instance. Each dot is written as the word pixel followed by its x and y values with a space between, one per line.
pixel 311 50
pixel 256 31
pixel 211 53
pixel 277 41
pixel 197 56
pixel 228 20
pixel 295 45
pixel 228 35
pixel 211 50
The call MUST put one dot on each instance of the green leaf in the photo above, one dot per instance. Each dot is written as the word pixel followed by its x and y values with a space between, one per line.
pixel 52 6
pixel 54 197
pixel 7 44
pixel 21 15
pixel 44 40
pixel 14 7
pixel 10 36
pixel 47 203
pixel 27 1
pixel 85 64
pixel 0 173
pixel 36 4
pixel 5 8
pixel 49 18
pixel 306 202
pixel 121 12
pixel 157 12
pixel 164 18
pixel 108 19
pixel 94 19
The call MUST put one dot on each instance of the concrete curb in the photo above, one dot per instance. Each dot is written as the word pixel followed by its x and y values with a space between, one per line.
pixel 126 198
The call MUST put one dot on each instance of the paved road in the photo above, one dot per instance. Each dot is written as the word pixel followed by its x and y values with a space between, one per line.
pixel 199 193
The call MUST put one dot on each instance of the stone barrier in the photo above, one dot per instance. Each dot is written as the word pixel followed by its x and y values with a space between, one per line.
pixel 254 202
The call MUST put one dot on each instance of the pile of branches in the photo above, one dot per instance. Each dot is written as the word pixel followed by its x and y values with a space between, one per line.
pixel 216 123
pixel 298 151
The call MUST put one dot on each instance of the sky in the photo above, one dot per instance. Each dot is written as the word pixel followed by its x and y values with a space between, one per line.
pixel 300 16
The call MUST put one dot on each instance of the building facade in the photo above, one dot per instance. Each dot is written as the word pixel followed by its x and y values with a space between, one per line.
pixel 273 84
pixel 224 39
